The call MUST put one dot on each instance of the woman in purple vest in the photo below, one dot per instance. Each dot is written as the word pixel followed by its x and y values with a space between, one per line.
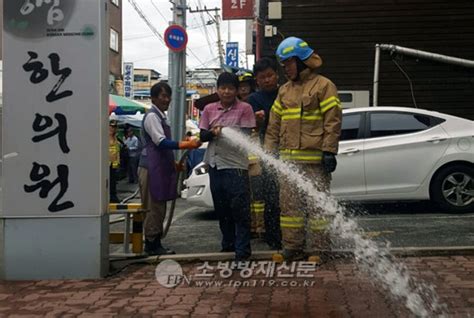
pixel 157 171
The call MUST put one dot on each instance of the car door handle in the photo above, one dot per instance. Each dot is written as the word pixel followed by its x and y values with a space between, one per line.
pixel 349 151
pixel 436 139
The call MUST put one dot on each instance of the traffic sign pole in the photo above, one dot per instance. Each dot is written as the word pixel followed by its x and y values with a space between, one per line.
pixel 176 40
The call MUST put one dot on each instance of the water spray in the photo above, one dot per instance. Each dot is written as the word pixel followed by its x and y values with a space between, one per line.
pixel 394 276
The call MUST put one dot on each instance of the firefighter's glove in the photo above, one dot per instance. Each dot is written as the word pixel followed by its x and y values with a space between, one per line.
pixel 190 144
pixel 329 162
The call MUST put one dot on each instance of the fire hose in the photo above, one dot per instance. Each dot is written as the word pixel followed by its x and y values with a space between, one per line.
pixel 179 176
pixel 170 213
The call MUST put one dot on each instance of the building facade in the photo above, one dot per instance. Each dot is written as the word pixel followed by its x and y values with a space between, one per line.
pixel 344 33
pixel 115 46
pixel 145 78
pixel 202 80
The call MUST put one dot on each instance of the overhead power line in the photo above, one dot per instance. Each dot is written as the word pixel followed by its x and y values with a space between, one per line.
pixel 137 37
pixel 157 9
pixel 195 56
pixel 216 20
pixel 147 22
pixel 163 55
pixel 201 14
pixel 155 32
pixel 150 58
pixel 207 62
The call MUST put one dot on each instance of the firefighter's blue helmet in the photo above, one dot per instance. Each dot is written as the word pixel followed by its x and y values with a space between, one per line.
pixel 293 47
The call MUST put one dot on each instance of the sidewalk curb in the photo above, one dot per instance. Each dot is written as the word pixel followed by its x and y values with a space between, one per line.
pixel 267 255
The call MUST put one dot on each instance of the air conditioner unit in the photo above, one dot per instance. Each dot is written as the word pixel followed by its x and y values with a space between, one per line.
pixel 354 99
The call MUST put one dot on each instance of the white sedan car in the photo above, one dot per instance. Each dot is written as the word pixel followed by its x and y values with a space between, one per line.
pixel 392 154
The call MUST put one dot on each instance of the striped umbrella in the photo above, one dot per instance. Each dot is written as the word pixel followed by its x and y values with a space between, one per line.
pixel 124 106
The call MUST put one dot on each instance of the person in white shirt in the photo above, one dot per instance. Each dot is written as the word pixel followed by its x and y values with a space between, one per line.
pixel 133 146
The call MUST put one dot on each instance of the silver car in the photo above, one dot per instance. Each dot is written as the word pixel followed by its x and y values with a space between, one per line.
pixel 392 154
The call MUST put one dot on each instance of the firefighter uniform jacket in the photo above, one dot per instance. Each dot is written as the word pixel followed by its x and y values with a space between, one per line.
pixel 305 119
pixel 114 152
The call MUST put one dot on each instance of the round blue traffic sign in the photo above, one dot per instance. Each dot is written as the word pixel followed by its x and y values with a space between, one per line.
pixel 176 38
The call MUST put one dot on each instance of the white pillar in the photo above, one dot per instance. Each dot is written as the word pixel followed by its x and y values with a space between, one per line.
pixel 55 145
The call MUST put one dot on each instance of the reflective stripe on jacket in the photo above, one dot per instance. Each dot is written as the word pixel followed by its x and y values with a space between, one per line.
pixel 316 224
pixel 295 222
pixel 114 153
pixel 305 119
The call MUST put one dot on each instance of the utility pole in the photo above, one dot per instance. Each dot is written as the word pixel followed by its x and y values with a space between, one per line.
pixel 177 76
pixel 216 19
pixel 219 40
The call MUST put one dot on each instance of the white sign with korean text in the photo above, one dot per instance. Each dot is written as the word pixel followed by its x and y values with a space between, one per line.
pixel 128 80
pixel 55 108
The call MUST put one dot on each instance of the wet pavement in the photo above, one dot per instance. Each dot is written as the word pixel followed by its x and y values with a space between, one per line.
pixel 193 230
pixel 405 225
pixel 336 289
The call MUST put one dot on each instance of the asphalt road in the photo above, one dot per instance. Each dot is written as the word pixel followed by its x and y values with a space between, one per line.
pixel 405 225
pixel 195 230
pixel 418 224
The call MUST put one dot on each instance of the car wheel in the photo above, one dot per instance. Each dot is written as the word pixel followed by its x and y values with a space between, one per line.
pixel 453 188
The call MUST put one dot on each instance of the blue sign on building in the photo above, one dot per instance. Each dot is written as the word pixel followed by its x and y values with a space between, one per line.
pixel 232 54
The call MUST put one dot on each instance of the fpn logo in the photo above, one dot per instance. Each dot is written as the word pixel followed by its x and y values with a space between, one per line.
pixel 170 274
pixel 33 18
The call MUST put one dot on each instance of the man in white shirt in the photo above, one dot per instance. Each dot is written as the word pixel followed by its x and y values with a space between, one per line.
pixel 133 145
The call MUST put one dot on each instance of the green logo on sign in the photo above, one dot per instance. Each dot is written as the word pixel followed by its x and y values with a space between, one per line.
pixel 21 25
pixel 88 32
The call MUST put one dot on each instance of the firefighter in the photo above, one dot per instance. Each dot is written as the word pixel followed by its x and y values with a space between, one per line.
pixel 114 160
pixel 304 129
pixel 257 203
pixel 246 85
pixel 266 76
